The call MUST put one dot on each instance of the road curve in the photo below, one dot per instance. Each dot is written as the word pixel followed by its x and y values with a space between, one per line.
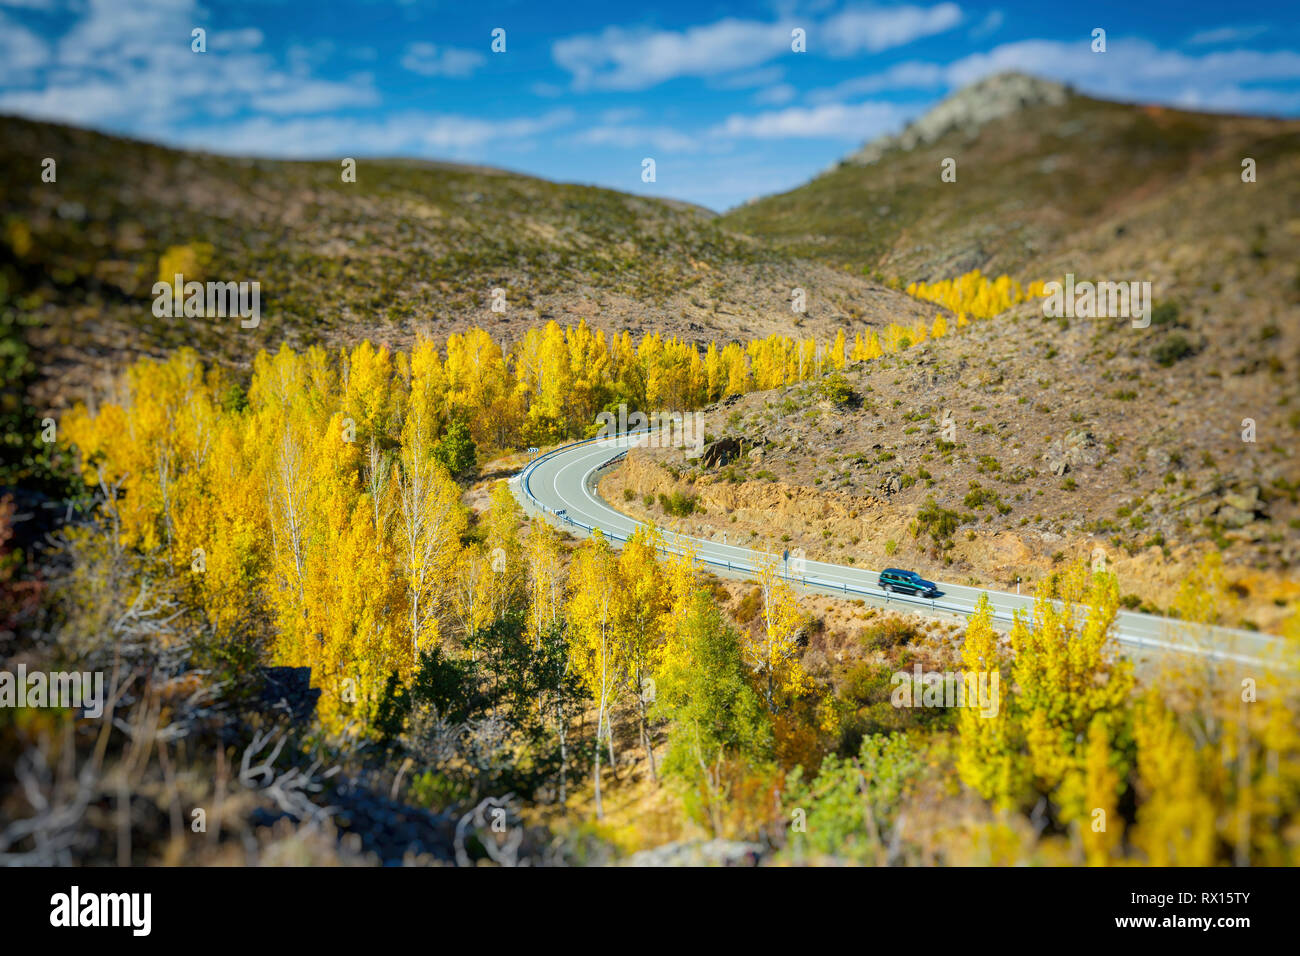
pixel 560 486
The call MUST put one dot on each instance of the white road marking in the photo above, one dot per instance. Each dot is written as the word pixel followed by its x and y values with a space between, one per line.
pixel 1130 627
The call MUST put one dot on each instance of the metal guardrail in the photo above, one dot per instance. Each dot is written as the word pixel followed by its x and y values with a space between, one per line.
pixel 816 584
pixel 736 566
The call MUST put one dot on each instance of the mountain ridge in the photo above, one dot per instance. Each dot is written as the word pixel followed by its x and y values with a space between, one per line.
pixel 966 110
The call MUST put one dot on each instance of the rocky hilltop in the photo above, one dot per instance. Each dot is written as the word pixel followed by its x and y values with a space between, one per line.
pixel 966 112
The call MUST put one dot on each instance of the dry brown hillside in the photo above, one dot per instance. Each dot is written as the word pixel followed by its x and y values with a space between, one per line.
pixel 1065 439
pixel 1068 434
pixel 408 247
pixel 1045 180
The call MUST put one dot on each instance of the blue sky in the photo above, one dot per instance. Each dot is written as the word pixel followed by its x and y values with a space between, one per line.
pixel 585 90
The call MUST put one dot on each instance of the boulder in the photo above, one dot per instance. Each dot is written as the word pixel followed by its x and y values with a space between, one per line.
pixel 1072 452
pixel 1057 464
pixel 720 452
pixel 728 449
pixel 1240 508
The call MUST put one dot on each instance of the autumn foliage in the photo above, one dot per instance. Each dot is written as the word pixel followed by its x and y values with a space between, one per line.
pixel 320 506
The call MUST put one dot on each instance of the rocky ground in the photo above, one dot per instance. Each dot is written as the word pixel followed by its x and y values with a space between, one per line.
pixel 408 248
pixel 1002 451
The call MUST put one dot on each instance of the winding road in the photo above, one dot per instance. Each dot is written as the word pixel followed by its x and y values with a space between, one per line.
pixel 561 486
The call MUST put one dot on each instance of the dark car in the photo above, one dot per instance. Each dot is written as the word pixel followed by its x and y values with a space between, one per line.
pixel 907 582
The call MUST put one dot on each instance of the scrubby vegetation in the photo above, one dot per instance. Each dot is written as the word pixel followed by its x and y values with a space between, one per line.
pixel 541 679
pixel 328 636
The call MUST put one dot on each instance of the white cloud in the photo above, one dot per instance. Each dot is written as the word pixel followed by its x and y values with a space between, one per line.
pixel 619 58
pixel 249 39
pixel 128 64
pixel 1235 99
pixel 1130 68
pixel 426 59
pixel 316 96
pixel 881 28
pixel 989 25
pixel 853 122
pixel 466 132
pixel 627 114
pixel 910 75
pixel 1225 35
pixel 748 79
pixel 21 52
pixel 85 104
pixel 406 133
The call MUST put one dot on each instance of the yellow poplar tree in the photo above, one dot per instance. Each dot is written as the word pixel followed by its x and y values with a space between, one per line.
pixel 501 538
pixel 1100 824
pixel 545 577
pixel 643 605
pixel 837 355
pixel 593 648
pixel 986 761
pixel 1175 818
pixel 472 583
pixel 774 653
pixel 1064 672
pixel 431 523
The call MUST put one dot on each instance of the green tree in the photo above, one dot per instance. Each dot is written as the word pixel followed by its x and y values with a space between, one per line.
pixel 456 451
pixel 850 810
pixel 716 715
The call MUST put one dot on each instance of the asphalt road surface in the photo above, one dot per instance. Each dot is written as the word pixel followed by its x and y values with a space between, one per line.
pixel 561 485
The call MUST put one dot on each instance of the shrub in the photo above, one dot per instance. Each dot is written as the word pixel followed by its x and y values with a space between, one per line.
pixel 868 683
pixel 1173 349
pixel 936 521
pixel 438 791
pixel 191 261
pixel 836 389
pixel 1165 313
pixel 677 504
pixel 892 632
pixel 749 606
